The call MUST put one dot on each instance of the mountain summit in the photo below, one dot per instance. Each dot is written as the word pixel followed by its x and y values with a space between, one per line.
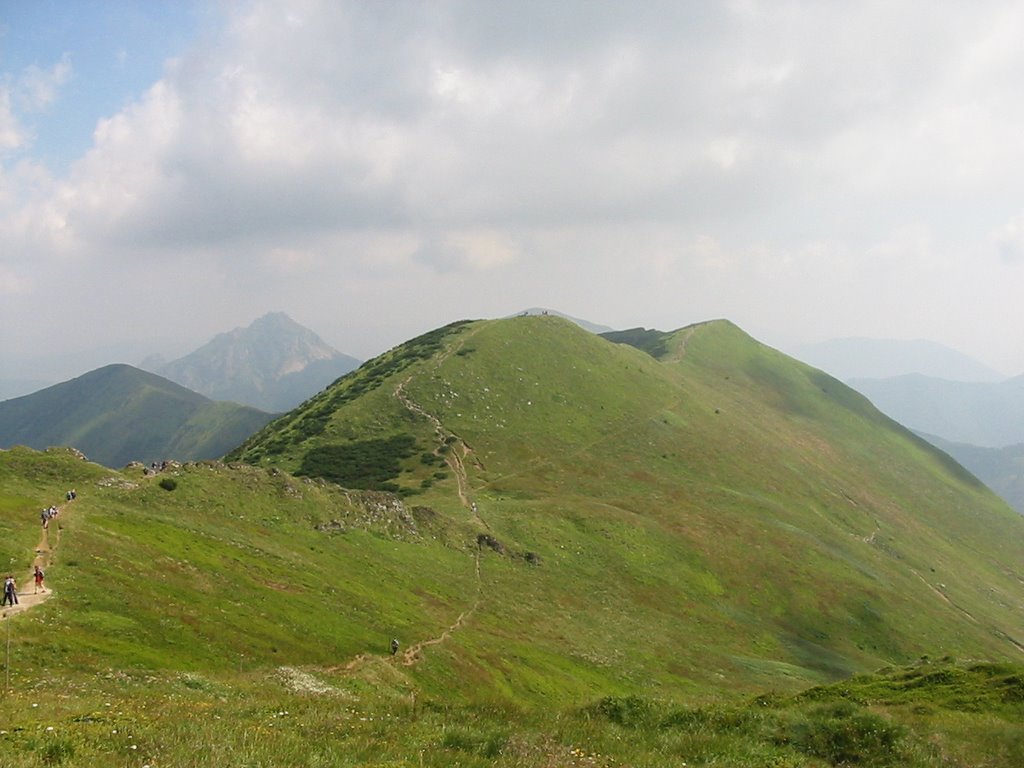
pixel 704 507
pixel 273 364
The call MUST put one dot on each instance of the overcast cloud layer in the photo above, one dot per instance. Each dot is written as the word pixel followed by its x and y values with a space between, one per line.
pixel 808 170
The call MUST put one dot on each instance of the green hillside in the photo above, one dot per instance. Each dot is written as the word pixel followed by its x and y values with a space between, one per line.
pixel 775 524
pixel 117 414
pixel 593 555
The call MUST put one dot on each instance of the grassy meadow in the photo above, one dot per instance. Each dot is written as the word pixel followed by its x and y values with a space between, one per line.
pixel 591 556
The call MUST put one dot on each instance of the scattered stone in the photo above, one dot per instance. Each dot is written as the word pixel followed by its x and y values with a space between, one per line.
pixel 118 482
pixel 302 682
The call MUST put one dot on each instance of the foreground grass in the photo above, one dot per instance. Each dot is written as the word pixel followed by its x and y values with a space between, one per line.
pixel 929 714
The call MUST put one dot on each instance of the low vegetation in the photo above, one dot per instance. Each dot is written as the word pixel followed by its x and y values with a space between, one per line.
pixel 308 717
pixel 715 558
pixel 368 464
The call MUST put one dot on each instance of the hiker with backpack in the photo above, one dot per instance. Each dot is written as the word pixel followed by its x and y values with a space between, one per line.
pixel 10 592
pixel 38 576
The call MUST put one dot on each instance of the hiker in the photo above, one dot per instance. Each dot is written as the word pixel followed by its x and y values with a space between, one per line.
pixel 394 646
pixel 38 576
pixel 10 592
pixel 44 518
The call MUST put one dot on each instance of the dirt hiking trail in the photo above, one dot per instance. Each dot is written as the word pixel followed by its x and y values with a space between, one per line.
pixel 455 457
pixel 27 596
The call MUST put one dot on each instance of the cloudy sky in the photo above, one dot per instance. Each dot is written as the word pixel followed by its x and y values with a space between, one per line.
pixel 809 170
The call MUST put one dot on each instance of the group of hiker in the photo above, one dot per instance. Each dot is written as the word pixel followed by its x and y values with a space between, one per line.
pixel 47 515
pixel 10 596
pixel 10 591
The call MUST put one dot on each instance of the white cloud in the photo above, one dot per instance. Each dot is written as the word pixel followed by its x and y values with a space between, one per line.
pixel 37 88
pixel 11 136
pixel 30 91
pixel 462 250
pixel 770 161
pixel 1009 239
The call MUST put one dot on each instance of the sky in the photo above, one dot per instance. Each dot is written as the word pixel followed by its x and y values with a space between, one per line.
pixel 808 170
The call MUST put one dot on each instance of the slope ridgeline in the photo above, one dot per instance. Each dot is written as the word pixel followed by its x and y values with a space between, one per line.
pixel 707 510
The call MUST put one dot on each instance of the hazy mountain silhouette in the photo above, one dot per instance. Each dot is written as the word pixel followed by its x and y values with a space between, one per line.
pixel 118 414
pixel 273 364
pixel 989 415
pixel 1001 469
pixel 864 358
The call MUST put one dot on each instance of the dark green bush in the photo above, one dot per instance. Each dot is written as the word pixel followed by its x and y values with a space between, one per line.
pixel 168 483
pixel 368 464
pixel 845 734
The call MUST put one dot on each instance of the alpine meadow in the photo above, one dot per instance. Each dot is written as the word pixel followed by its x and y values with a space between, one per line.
pixel 637 549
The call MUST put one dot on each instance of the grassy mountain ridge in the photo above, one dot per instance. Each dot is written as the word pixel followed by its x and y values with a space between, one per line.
pixel 596 557
pixel 118 414
pixel 799 528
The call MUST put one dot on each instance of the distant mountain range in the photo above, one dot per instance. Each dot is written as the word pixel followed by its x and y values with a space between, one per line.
pixel 985 414
pixel 17 387
pixel 273 364
pixel 955 402
pixel 1001 469
pixel 117 414
pixel 120 413
pixel 862 358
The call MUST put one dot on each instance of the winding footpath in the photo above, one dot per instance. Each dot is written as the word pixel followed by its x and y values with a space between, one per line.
pixel 27 597
pixel 455 458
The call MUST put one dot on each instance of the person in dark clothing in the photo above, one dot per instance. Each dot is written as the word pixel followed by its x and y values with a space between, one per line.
pixel 10 592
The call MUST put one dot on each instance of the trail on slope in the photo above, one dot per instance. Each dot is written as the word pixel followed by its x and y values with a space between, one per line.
pixel 456 455
pixel 27 597
pixel 455 458
pixel 415 652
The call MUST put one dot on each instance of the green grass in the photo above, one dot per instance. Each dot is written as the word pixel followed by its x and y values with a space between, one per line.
pixel 767 521
pixel 694 558
pixel 178 719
